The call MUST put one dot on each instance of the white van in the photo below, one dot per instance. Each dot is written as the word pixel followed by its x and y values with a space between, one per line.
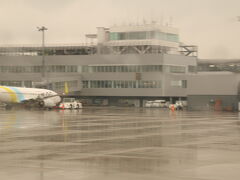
pixel 149 104
pixel 159 103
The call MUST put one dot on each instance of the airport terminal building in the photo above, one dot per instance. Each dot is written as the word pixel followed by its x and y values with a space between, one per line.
pixel 216 85
pixel 123 65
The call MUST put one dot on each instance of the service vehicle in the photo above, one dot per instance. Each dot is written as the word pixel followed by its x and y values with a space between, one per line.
pixel 157 104
pixel 160 103
pixel 70 103
pixel 177 106
pixel 149 104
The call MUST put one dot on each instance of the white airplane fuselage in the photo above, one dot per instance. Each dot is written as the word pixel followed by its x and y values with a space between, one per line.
pixel 14 95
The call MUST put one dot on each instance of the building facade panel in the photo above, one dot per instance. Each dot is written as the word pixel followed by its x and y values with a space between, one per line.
pixel 213 102
pixel 213 83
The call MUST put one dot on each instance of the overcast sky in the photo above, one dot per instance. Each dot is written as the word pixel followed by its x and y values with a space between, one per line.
pixel 210 24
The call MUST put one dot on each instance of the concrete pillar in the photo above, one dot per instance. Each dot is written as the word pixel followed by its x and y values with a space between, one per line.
pixel 141 102
pixel 101 38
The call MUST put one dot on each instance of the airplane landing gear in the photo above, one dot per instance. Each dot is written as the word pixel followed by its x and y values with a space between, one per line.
pixel 8 107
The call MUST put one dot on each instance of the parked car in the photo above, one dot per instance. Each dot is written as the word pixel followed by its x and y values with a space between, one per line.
pixel 149 104
pixel 157 104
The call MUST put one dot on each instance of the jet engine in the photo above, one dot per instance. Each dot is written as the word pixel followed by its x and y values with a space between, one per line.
pixel 48 103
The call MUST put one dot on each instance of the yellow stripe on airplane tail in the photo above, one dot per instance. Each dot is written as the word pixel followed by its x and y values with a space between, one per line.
pixel 12 94
pixel 66 91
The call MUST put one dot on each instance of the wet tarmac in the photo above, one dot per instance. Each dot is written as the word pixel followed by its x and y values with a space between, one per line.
pixel 119 143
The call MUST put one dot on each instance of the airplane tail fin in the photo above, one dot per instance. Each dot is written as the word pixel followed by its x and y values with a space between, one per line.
pixel 66 91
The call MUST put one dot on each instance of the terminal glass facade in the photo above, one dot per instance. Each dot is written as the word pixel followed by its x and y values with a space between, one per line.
pixel 139 35
pixel 16 83
pixel 61 85
pixel 133 68
pixel 179 83
pixel 177 69
pixel 92 69
pixel 192 69
pixel 232 67
pixel 121 84
pixel 123 68
pixel 38 69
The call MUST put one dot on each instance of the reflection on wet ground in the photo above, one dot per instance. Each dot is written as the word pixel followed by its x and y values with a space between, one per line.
pixel 119 143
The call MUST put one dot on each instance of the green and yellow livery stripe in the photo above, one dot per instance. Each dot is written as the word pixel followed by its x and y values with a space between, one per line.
pixel 11 93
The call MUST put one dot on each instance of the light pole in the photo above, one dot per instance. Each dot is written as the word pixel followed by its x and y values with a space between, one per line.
pixel 43 50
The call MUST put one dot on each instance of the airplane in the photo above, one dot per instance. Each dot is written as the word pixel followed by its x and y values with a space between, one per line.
pixel 29 97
